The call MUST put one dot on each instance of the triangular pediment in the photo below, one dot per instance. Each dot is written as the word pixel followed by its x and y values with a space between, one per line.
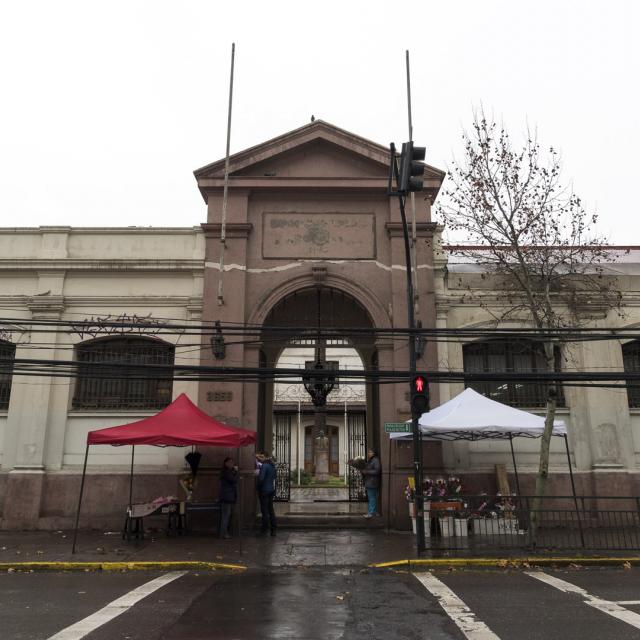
pixel 315 146
pixel 317 150
pixel 316 156
pixel 316 159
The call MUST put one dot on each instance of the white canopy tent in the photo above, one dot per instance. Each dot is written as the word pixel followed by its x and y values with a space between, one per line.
pixel 472 416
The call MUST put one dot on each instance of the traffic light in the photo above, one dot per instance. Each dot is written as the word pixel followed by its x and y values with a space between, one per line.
pixel 411 167
pixel 419 395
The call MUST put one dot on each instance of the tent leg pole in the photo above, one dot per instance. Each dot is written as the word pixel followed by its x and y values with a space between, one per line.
pixel 84 473
pixel 515 466
pixel 523 514
pixel 133 450
pixel 239 501
pixel 573 489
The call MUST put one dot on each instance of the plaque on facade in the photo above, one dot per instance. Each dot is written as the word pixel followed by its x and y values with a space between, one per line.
pixel 219 396
pixel 319 235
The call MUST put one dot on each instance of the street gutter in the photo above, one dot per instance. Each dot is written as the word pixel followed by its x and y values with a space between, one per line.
pixel 119 566
pixel 502 563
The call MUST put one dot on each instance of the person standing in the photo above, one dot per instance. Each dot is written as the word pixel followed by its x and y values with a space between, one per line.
pixel 372 472
pixel 228 495
pixel 266 487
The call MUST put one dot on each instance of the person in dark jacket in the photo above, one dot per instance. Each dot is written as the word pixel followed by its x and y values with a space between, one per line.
pixel 372 472
pixel 228 494
pixel 266 487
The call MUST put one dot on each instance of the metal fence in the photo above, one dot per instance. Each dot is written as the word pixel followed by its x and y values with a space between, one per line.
pixel 476 524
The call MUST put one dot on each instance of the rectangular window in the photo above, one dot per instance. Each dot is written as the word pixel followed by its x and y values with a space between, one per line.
pixel 7 356
pixel 112 374
pixel 497 356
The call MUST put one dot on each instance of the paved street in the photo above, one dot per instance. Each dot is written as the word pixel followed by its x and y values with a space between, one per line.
pixel 322 603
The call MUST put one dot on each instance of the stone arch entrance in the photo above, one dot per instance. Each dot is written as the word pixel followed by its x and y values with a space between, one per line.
pixel 310 208
pixel 290 425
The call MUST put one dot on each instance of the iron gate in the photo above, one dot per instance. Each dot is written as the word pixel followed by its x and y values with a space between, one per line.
pixel 282 455
pixel 357 447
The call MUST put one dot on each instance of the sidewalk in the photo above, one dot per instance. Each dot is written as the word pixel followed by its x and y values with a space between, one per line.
pixel 289 548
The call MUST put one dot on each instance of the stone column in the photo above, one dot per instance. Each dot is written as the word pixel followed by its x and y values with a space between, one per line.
pixel 28 420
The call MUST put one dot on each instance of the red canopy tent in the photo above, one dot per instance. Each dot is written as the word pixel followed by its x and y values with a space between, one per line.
pixel 180 424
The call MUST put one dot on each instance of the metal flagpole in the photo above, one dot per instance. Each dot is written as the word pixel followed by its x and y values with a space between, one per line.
pixel 84 472
pixel 225 193
pixel 414 232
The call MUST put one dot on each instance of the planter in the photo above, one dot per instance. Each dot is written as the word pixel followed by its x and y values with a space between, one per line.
pixel 485 527
pixel 461 527
pixel 446 526
pixel 508 525
pixel 414 526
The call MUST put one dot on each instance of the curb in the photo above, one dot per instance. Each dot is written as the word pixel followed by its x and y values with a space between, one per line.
pixel 119 566
pixel 502 563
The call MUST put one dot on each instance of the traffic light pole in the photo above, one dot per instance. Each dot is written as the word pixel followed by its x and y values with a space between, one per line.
pixel 415 428
pixel 407 181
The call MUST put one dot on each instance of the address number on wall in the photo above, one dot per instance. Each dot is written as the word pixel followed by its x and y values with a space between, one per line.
pixel 219 396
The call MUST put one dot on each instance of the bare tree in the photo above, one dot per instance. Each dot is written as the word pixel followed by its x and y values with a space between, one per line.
pixel 534 239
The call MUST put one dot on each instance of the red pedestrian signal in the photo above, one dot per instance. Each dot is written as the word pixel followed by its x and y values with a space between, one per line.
pixel 419 396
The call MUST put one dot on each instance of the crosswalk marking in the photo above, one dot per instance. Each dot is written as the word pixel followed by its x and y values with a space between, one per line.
pixel 456 609
pixel 114 609
pixel 606 606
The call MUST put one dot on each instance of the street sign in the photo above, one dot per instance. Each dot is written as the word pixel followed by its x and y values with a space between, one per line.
pixel 397 427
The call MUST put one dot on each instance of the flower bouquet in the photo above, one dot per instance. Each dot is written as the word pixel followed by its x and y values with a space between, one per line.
pixel 358 463
pixel 188 483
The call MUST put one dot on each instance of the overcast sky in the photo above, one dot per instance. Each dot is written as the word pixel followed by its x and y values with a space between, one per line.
pixel 106 108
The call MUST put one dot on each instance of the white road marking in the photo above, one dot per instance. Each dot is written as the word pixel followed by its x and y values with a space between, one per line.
pixel 628 602
pixel 114 609
pixel 457 610
pixel 606 606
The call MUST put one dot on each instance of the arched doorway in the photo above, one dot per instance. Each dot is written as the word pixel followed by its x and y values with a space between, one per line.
pixel 289 421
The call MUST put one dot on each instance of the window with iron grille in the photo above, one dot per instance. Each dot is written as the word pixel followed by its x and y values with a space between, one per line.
pixel 121 385
pixel 631 361
pixel 517 356
pixel 7 356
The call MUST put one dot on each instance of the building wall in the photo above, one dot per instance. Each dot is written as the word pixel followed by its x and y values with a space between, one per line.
pixel 602 430
pixel 76 274
pixel 69 274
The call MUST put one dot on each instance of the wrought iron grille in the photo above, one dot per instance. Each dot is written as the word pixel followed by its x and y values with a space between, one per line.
pixel 122 386
pixel 631 360
pixel 282 453
pixel 581 523
pixel 518 356
pixel 7 356
pixel 357 441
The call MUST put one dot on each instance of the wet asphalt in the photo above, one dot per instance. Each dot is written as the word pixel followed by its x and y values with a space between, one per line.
pixel 311 603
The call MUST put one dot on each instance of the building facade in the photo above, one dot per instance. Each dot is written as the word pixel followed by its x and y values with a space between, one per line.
pixel 311 240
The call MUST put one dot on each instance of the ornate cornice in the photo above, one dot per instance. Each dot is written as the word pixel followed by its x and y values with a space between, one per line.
pixel 67 264
pixel 423 229
pixel 232 229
